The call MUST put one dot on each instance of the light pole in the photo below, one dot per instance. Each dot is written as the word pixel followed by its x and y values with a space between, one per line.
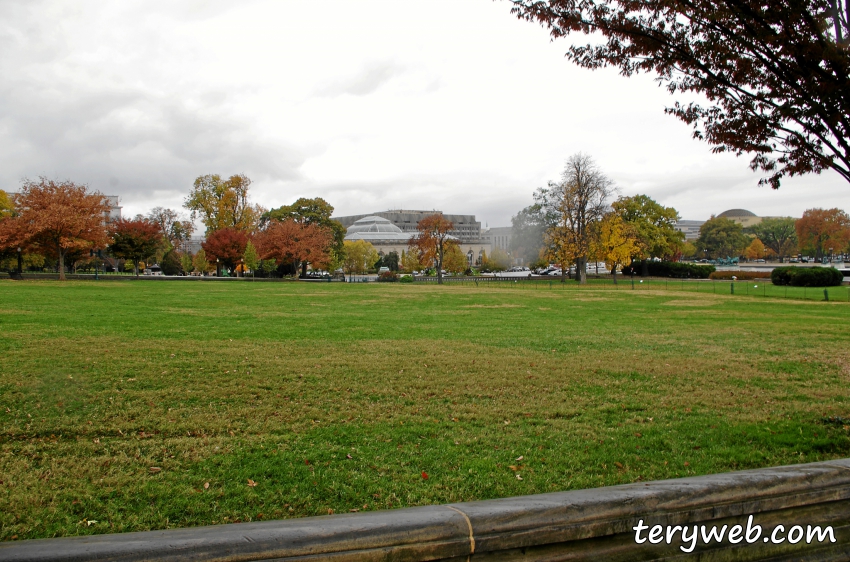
pixel 217 268
pixel 20 262
pixel 242 267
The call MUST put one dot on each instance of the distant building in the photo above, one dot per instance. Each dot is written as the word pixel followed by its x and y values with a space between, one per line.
pixel 467 229
pixel 387 237
pixel 743 217
pixel 114 207
pixel 499 237
pixel 689 228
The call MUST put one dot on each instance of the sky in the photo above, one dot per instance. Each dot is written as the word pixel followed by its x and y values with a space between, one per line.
pixel 453 105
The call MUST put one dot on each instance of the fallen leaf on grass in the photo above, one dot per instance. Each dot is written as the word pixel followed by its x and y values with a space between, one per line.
pixel 518 477
pixel 348 456
pixel 424 475
pixel 515 468
pixel 155 469
pixel 251 483
pixel 618 465
pixel 206 485
pixel 638 435
pixel 519 458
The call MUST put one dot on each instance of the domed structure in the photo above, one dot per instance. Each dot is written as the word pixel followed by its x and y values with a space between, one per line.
pixel 376 228
pixel 733 213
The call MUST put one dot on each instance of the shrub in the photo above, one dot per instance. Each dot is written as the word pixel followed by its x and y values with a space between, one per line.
pixel 806 276
pixel 406 279
pixel 388 277
pixel 741 275
pixel 675 269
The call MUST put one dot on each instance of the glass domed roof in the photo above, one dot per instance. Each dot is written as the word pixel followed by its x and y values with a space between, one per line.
pixel 375 228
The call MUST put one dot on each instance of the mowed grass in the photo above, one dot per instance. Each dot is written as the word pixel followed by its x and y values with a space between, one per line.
pixel 148 405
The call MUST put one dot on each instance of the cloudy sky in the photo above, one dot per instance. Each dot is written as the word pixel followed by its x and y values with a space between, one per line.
pixel 375 104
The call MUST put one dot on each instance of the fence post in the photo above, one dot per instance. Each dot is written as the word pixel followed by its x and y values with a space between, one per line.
pixel 732 287
pixel 826 295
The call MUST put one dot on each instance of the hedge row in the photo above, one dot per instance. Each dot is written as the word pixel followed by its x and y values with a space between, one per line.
pixel 806 276
pixel 670 269
pixel 741 275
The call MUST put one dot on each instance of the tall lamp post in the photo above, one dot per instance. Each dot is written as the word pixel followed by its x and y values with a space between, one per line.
pixel 241 267
pixel 20 262
pixel 217 268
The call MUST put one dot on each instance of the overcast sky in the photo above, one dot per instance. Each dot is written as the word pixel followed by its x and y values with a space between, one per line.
pixel 373 105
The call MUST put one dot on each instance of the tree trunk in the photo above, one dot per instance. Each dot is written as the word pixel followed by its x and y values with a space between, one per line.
pixel 614 274
pixel 644 270
pixel 136 268
pixel 61 264
pixel 303 269
pixel 581 270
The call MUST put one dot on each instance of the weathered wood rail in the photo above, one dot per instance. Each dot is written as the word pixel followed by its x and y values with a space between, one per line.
pixel 596 524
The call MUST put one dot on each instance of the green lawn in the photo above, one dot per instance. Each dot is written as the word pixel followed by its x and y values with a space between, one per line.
pixel 146 405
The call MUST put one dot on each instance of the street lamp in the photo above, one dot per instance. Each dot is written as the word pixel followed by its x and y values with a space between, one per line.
pixel 20 262
pixel 242 267
pixel 217 268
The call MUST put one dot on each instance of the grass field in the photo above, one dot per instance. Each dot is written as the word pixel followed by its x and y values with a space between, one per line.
pixel 148 405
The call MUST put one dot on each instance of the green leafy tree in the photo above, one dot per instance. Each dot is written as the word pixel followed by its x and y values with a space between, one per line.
pixel 170 263
pixel 777 234
pixel 410 261
pixel 201 263
pixel 722 237
pixel 186 262
pixel 251 257
pixel 391 260
pixel 654 226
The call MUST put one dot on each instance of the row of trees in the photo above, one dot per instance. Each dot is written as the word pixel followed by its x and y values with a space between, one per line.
pixel 574 220
pixel 818 233
pixel 66 222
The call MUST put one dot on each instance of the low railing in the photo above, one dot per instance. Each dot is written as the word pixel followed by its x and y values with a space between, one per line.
pixel 785 513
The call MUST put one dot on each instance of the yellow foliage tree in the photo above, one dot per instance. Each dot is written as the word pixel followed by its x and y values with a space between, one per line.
pixel 616 242
pixel 360 256
pixel 454 260
pixel 410 261
pixel 755 250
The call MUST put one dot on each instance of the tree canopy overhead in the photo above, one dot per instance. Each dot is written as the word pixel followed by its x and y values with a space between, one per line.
pixel 776 74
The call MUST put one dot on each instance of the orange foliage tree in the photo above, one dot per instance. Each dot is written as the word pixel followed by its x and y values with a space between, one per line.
pixel 292 242
pixel 135 240
pixel 433 241
pixel 821 229
pixel 59 217
pixel 227 245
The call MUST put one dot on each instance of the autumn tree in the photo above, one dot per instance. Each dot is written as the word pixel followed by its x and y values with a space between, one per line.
pixel 756 250
pixel 358 256
pixel 134 240
pixel 223 203
pixel 59 217
pixel 721 237
pixel 455 260
pixel 311 211
pixel 291 242
pixel 820 230
pixel 410 261
pixel 175 228
pixel 432 241
pixel 6 206
pixel 777 234
pixel 775 74
pixel 574 204
pixel 498 260
pixel 616 242
pixel 226 245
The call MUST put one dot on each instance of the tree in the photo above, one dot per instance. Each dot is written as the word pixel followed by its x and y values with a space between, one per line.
pixel 252 259
pixel 776 74
pixel 174 227
pixel 722 237
pixel 58 217
pixel 777 234
pixel 134 240
pixel 498 260
pixel 410 261
pixel 616 242
pixel 391 260
pixel 223 203
pixel 821 229
pixel 755 250
pixel 186 262
pixel 654 225
pixel 170 263
pixel 6 206
pixel 454 260
pixel 574 205
pixel 291 242
pixel 359 256
pixel 432 241
pixel 311 211
pixel 226 245
pixel 527 235
pixel 201 263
